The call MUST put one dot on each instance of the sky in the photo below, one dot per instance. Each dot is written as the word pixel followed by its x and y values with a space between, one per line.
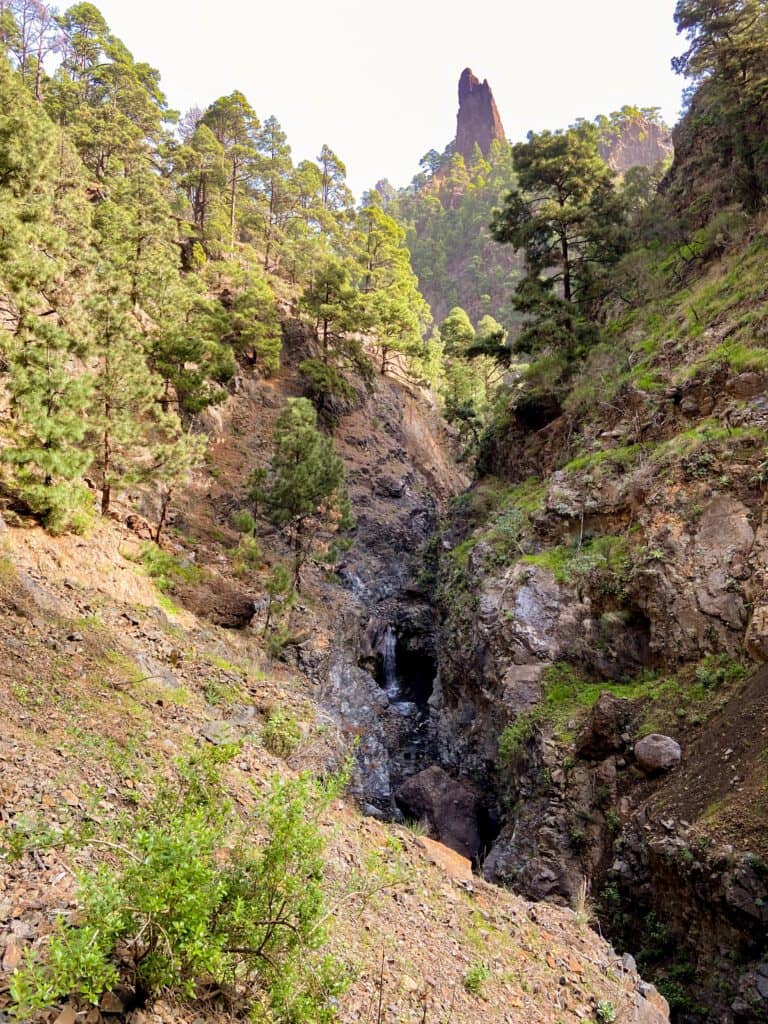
pixel 377 81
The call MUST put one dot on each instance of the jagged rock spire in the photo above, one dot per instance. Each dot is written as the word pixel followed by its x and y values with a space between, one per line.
pixel 478 119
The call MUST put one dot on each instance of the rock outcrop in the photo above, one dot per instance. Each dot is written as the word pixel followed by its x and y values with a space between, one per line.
pixel 450 807
pixel 641 143
pixel 478 121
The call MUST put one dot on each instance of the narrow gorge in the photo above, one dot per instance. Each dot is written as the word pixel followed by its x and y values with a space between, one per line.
pixel 383 583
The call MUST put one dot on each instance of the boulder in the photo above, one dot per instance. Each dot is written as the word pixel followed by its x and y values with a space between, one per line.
pixel 656 753
pixel 602 732
pixel 451 807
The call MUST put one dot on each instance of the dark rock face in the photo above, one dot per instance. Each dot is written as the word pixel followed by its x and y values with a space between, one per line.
pixel 604 731
pixel 452 808
pixel 478 120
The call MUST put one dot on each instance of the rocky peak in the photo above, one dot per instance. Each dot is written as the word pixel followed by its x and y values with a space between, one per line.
pixel 478 121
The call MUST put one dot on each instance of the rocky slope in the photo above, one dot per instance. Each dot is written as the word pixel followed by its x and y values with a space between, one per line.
pixel 106 680
pixel 619 549
pixel 640 143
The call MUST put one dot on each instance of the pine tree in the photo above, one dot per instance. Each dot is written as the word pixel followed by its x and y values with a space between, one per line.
pixel 201 169
pixel 397 315
pixel 274 183
pixel 304 491
pixel 44 238
pixel 126 394
pixel 567 218
pixel 235 126
pixel 111 104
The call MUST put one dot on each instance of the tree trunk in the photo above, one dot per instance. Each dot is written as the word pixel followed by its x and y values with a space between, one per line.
pixel 106 487
pixel 566 267
pixel 164 505
pixel 232 206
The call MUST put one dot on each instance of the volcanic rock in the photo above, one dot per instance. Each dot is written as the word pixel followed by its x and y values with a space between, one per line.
pixel 451 807
pixel 656 753
pixel 478 120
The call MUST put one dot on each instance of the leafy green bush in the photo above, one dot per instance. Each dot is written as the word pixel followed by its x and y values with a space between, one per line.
pixel 718 669
pixel 189 898
pixel 605 1012
pixel 327 388
pixel 281 733
pixel 247 556
pixel 605 561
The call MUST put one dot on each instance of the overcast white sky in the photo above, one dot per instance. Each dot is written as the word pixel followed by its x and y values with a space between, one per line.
pixel 378 80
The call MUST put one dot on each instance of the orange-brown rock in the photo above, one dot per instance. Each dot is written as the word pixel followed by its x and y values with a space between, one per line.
pixel 478 121
pixel 451 862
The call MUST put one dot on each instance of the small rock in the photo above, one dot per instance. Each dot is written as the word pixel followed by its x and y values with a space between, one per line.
pixel 12 957
pixel 656 753
pixel 111 1002
pixel 218 733
pixel 604 731
pixel 372 811
pixel 629 964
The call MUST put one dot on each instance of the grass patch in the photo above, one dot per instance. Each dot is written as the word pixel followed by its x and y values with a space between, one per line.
pixel 669 701
pixel 609 556
pixel 620 458
pixel 166 569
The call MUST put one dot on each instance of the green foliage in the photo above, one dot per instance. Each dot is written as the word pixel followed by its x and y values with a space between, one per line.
pixel 727 64
pixel 606 1012
pixel 304 492
pixel 328 389
pixel 138 268
pixel 475 977
pixel 280 598
pixel 170 910
pixel 446 215
pixel 568 219
pixel 604 561
pixel 247 556
pixel 516 736
pixel 717 670
pixel 470 376
pixel 166 569
pixel 281 733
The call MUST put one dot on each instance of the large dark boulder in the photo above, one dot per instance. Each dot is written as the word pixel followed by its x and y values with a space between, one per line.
pixel 453 809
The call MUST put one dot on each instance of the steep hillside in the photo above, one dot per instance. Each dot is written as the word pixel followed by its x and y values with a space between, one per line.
pixel 107 682
pixel 604 580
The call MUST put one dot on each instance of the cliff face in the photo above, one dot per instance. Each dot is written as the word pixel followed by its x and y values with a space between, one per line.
pixel 478 121
pixel 639 144
pixel 607 582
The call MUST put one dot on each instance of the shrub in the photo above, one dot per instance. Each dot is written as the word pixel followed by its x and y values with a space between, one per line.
pixel 281 733
pixel 516 737
pixel 190 898
pixel 476 977
pixel 605 1012
pixel 165 569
